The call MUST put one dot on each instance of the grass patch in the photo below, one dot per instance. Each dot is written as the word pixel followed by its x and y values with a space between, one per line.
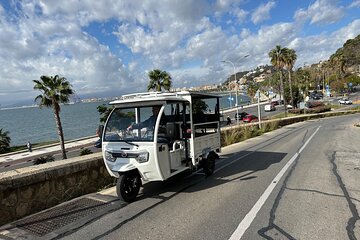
pixel 85 151
pixel 282 115
pixel 355 108
pixel 242 133
pixel 43 160
pixel 335 106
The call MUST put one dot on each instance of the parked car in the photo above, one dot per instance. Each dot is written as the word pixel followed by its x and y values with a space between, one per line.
pixel 250 118
pixel 241 115
pixel 269 107
pixel 315 97
pixel 275 103
pixel 345 101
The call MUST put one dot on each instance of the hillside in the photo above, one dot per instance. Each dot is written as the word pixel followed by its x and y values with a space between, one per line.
pixel 348 55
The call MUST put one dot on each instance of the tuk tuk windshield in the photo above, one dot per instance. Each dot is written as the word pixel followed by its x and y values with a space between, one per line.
pixel 132 124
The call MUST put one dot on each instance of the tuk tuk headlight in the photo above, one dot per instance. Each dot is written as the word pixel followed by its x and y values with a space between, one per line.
pixel 109 156
pixel 142 157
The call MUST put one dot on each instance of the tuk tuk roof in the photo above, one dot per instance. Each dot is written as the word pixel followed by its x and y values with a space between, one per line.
pixel 151 97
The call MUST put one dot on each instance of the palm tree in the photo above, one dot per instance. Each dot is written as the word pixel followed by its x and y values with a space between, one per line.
pixel 158 80
pixel 54 90
pixel 4 141
pixel 290 59
pixel 277 58
pixel 251 89
pixel 104 112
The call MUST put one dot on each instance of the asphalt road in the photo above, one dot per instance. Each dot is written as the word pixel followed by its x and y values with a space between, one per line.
pixel 298 182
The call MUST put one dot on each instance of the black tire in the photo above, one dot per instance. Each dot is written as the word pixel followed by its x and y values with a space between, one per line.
pixel 128 186
pixel 208 164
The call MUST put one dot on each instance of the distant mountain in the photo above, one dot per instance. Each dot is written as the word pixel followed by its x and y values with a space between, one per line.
pixel 29 102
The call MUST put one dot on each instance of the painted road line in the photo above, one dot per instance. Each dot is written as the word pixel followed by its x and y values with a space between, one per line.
pixel 250 216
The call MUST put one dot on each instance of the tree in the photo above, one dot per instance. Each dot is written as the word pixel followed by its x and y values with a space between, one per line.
pixel 290 59
pixel 54 90
pixel 277 58
pixel 158 80
pixel 251 89
pixel 4 141
pixel 199 106
pixel 104 112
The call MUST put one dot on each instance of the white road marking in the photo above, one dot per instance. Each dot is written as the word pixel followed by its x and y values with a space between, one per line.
pixel 250 216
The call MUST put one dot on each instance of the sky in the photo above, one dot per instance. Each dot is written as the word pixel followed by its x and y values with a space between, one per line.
pixel 106 48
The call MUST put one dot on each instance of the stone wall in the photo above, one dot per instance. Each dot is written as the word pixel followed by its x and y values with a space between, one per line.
pixel 32 189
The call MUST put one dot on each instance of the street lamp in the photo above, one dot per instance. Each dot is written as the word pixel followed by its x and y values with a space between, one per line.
pixel 236 87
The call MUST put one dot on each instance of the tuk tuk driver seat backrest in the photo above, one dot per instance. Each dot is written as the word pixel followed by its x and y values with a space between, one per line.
pixel 172 132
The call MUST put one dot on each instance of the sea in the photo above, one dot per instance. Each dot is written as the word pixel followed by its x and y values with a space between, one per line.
pixel 78 120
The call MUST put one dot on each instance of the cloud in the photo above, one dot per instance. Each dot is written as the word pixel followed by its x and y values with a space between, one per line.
pixel 355 4
pixel 188 38
pixel 321 12
pixel 324 45
pixel 262 12
pixel 36 46
pixel 241 15
pixel 258 44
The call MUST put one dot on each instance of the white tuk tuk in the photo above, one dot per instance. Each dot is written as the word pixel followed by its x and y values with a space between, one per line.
pixel 182 133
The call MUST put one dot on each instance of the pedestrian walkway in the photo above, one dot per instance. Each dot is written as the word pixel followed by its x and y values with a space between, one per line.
pixel 40 151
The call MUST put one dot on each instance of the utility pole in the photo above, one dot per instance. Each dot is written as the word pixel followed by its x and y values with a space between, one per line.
pixel 258 105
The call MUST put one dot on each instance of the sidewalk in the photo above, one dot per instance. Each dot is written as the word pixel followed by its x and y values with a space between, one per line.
pixel 40 151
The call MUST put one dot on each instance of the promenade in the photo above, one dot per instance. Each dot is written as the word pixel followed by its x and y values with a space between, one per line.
pixel 44 150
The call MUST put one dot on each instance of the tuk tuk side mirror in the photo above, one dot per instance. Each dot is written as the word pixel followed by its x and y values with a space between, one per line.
pixel 100 130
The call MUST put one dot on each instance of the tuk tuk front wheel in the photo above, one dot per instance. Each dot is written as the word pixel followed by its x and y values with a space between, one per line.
pixel 128 186
pixel 208 164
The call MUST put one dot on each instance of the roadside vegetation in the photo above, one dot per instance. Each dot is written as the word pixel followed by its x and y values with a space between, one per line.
pixel 4 141
pixel 85 151
pixel 241 133
pixel 244 132
pixel 43 160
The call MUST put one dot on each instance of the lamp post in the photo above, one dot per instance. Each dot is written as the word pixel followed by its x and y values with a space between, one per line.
pixel 236 87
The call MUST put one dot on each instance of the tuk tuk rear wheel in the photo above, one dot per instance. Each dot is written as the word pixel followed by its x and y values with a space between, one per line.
pixel 208 164
pixel 128 186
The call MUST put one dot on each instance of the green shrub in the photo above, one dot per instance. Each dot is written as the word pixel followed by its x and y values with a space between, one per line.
pixel 85 151
pixel 319 109
pixel 315 104
pixel 296 111
pixel 230 136
pixel 42 160
pixel 270 126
